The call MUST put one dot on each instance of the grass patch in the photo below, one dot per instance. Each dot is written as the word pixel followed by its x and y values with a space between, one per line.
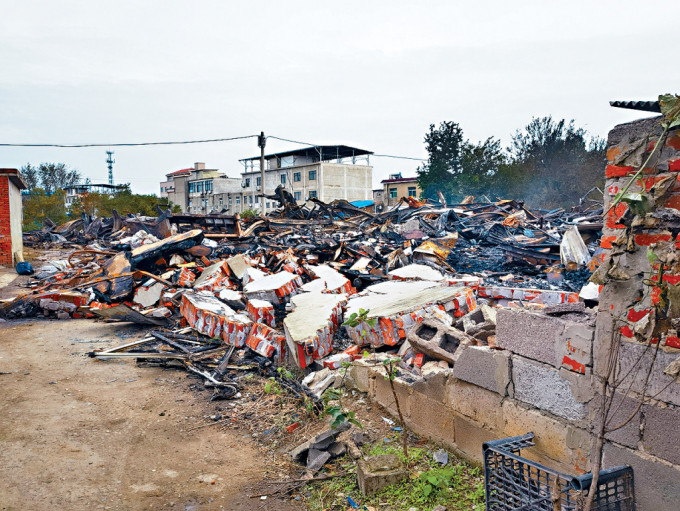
pixel 457 486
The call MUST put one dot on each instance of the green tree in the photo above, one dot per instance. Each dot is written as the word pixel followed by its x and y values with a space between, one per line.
pixel 445 149
pixel 39 205
pixel 555 163
pixel 457 167
pixel 50 176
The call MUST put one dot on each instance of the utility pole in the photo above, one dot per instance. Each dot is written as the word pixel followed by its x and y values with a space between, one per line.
pixel 110 161
pixel 262 141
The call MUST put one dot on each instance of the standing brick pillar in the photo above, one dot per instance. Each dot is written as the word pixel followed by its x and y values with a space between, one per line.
pixel 11 245
pixel 640 308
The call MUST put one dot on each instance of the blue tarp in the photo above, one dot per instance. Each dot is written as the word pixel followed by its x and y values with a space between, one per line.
pixel 362 203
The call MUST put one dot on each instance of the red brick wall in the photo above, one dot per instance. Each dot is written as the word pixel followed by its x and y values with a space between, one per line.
pixel 5 229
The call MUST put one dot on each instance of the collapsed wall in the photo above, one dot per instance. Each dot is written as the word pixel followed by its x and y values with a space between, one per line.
pixel 544 373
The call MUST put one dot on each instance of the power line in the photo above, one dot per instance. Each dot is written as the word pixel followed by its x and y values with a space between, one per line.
pixel 179 142
pixel 399 157
pixel 131 144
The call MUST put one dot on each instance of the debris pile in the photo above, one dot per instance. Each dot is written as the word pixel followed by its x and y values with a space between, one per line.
pixel 312 286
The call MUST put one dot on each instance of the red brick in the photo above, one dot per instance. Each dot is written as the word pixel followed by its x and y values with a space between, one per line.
pixel 572 364
pixel 673 280
pixel 636 316
pixel 615 214
pixel 651 145
pixel 627 332
pixel 648 182
pixel 645 240
pixel 673 341
pixel 674 165
pixel 673 201
pixel 674 142
pixel 606 241
pixel 618 171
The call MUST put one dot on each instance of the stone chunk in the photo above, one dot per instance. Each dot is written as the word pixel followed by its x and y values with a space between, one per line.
pixel 376 472
pixel 317 459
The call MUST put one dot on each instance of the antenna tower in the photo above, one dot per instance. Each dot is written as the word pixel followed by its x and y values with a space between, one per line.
pixel 110 161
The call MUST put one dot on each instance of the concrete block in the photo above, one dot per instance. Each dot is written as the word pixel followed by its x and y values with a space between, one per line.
pixel 469 438
pixel 430 418
pixel 484 367
pixel 438 340
pixel 433 384
pixel 529 334
pixel 574 349
pixel 360 377
pixel 662 434
pixel 550 435
pixel 377 472
pixel 622 408
pixel 634 361
pixel 656 483
pixel 478 404
pixel 542 386
pixel 385 397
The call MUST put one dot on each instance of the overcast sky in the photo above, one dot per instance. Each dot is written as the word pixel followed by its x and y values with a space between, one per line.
pixel 373 74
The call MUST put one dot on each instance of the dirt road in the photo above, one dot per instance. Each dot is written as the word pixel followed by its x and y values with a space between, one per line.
pixel 80 434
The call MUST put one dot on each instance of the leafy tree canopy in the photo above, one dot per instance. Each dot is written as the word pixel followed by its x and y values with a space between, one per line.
pixel 50 177
pixel 548 164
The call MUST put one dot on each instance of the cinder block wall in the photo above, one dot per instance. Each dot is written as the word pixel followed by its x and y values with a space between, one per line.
pixel 544 376
pixel 529 383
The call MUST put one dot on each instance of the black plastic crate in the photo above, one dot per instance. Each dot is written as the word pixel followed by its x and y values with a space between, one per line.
pixel 514 483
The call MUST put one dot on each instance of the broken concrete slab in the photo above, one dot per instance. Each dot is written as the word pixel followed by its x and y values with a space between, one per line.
pixel 327 279
pixel 310 327
pixel 417 272
pixel 238 265
pixel 276 288
pixel 213 277
pixel 377 472
pixel 397 306
pixel 325 438
pixel 149 295
pixel 317 459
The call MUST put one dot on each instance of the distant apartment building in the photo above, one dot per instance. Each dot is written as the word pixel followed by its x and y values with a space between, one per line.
pixel 75 191
pixel 197 189
pixel 324 172
pixel 397 187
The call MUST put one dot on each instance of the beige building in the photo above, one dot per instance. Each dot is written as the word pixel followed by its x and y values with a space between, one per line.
pixel 323 172
pixel 397 187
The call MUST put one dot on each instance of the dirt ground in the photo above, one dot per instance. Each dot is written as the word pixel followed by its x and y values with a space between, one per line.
pixel 78 433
